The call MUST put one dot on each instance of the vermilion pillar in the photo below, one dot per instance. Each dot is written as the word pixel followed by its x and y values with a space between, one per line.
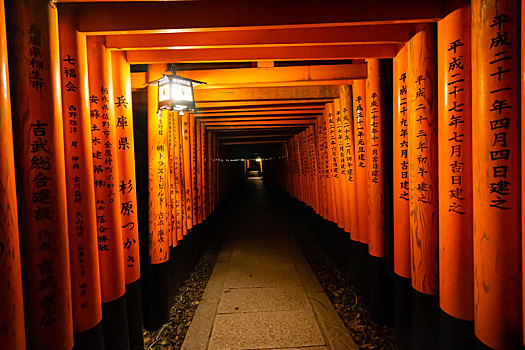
pixel 496 172
pixel 193 170
pixel 331 153
pixel 186 155
pixel 126 164
pixel 400 164
pixel 341 165
pixel 12 331
pixel 361 174
pixel 422 150
pixel 128 194
pixel 376 138
pixel 345 94
pixel 82 218
pixel 523 158
pixel 158 173
pixel 323 166
pixel 40 175
pixel 107 196
pixel 178 209
pixel 456 291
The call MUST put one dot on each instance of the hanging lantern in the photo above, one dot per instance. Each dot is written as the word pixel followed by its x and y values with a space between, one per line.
pixel 176 93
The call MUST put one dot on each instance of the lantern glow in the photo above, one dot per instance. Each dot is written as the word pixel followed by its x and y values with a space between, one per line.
pixel 176 93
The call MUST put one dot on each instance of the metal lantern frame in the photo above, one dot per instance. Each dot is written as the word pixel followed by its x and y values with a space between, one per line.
pixel 172 88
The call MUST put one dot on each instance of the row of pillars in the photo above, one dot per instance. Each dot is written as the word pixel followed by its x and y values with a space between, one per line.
pixel 70 266
pixel 431 139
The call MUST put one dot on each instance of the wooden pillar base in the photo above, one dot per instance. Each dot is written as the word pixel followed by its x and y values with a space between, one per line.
pixel 134 308
pixel 381 290
pixel 92 339
pixel 115 320
pixel 425 321
pixel 455 334
pixel 402 307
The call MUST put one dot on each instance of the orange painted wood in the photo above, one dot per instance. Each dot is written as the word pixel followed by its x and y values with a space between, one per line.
pixel 322 166
pixel 105 170
pixel 314 168
pixel 376 137
pixel 40 173
pixel 456 290
pixel 12 329
pixel 361 174
pixel 195 191
pixel 202 171
pixel 344 217
pixel 401 187
pixel 349 157
pixel 523 159
pixel 177 175
pixel 422 155
pixel 126 164
pixel 171 185
pixel 188 189
pixel 496 172
pixel 82 217
pixel 158 174
pixel 198 171
pixel 331 154
pixel 182 176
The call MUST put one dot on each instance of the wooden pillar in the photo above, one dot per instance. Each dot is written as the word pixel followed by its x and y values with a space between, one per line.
pixel 158 172
pixel 331 152
pixel 177 168
pixel 379 240
pixel 401 183
pixel 422 150
pixel 82 224
pixel 496 172
pixel 361 174
pixel 345 94
pixel 40 173
pixel 128 194
pixel 523 162
pixel 12 331
pixel 455 165
pixel 344 216
pixel 186 144
pixel 193 170
pixel 107 195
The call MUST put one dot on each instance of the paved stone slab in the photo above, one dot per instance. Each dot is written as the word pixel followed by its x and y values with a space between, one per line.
pixel 262 330
pixel 252 277
pixel 264 299
pixel 201 325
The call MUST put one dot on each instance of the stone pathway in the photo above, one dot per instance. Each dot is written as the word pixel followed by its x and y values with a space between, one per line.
pixel 262 293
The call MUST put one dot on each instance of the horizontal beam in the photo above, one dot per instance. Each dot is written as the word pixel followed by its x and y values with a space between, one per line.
pixel 240 137
pixel 203 105
pixel 253 120
pixel 123 17
pixel 328 52
pixel 271 93
pixel 280 113
pixel 394 33
pixel 253 142
pixel 255 127
pixel 286 122
pixel 300 75
pixel 250 110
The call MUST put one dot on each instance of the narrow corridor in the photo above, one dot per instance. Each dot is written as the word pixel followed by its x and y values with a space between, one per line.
pixel 262 293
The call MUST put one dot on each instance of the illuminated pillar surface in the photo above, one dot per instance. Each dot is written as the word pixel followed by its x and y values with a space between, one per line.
pixel 127 184
pixel 331 153
pixel 422 154
pixel 12 331
pixel 341 165
pixel 109 209
pixel 401 188
pixel 349 159
pixel 496 172
pixel 158 173
pixel 40 173
pixel 455 165
pixel 82 219
pixel 376 134
pixel 361 174
pixel 186 154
